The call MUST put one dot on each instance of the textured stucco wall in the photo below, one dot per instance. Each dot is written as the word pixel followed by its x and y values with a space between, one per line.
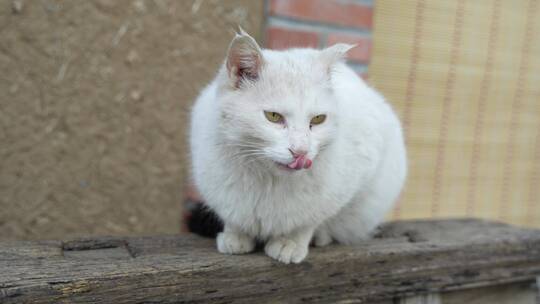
pixel 94 109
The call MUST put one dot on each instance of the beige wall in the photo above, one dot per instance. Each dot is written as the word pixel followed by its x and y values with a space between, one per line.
pixel 94 109
pixel 463 76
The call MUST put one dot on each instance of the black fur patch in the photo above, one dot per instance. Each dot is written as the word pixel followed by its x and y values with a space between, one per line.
pixel 203 221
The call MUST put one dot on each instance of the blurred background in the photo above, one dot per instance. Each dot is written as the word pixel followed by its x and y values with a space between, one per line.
pixel 96 96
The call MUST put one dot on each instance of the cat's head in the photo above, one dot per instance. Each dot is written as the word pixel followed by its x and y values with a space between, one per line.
pixel 278 107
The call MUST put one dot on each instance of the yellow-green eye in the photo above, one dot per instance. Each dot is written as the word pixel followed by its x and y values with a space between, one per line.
pixel 273 117
pixel 317 120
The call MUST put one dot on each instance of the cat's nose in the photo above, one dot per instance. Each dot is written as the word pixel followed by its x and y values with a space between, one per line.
pixel 297 152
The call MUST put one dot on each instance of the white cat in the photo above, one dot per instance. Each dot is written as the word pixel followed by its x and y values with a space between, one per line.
pixel 290 146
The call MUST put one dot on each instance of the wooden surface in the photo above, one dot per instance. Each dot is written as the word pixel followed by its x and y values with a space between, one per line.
pixel 519 293
pixel 516 293
pixel 406 259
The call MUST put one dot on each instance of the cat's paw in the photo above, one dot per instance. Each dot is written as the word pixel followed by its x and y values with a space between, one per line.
pixel 322 238
pixel 286 250
pixel 234 243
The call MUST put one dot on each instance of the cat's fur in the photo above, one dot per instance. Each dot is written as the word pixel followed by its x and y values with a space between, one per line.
pixel 358 154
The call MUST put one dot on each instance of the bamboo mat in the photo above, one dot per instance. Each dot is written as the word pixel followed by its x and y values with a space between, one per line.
pixel 464 77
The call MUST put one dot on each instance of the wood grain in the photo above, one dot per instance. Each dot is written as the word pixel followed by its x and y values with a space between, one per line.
pixel 404 259
pixel 519 293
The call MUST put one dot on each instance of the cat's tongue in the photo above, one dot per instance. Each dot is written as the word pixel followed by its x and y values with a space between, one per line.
pixel 301 162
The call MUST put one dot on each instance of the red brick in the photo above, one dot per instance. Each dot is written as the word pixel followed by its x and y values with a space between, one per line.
pixel 360 53
pixel 328 11
pixel 364 75
pixel 282 38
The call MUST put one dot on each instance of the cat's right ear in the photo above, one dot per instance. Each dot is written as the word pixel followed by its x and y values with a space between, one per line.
pixel 335 53
pixel 244 59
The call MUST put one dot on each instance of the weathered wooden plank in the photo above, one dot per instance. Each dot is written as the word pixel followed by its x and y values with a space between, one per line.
pixel 407 258
pixel 517 293
pixel 429 298
pixel 538 290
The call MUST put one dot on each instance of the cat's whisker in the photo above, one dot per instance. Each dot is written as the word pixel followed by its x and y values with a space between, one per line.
pixel 242 156
pixel 252 160
pixel 244 145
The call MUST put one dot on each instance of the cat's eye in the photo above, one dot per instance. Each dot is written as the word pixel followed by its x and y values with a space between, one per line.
pixel 317 120
pixel 273 117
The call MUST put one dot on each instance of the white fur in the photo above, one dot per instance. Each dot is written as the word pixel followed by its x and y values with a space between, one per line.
pixel 359 161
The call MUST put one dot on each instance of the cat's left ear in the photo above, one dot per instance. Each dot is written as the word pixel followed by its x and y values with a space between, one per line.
pixel 335 53
pixel 244 59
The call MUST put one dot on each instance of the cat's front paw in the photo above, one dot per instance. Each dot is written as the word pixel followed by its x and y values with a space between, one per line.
pixel 234 243
pixel 286 250
pixel 322 238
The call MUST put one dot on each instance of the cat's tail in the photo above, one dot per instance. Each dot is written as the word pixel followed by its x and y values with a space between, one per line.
pixel 199 219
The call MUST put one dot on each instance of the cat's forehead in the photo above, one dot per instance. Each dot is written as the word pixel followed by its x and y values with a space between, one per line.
pixel 292 81
pixel 295 68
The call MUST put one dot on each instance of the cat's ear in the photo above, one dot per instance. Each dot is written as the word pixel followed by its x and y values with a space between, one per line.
pixel 335 53
pixel 244 59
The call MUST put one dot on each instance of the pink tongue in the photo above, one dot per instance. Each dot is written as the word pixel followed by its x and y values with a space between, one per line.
pixel 300 162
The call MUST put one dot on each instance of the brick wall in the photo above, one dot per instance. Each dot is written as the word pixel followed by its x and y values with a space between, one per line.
pixel 321 23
